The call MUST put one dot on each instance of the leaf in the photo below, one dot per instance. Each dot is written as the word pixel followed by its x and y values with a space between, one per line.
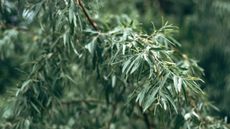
pixel 185 94
pixel 148 60
pixel 151 98
pixel 171 101
pixel 175 83
pixel 142 94
pixel 69 78
pixel 179 85
pixel 174 41
pixel 195 114
pixel 71 12
pixel 194 79
pixel 27 124
pixel 70 15
pixel 91 46
pixel 194 87
pixel 74 49
pixel 126 64
pixel 25 84
pixel 65 39
pixel 7 113
pixel 164 80
pixel 24 87
pixel 123 49
pixel 140 97
pixel 113 81
pixel 164 103
pixel 134 65
pixel 35 107
pixel 75 20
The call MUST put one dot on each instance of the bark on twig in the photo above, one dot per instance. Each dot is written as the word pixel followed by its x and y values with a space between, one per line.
pixel 93 24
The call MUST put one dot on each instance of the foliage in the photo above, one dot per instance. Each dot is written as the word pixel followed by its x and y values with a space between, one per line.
pixel 204 33
pixel 83 69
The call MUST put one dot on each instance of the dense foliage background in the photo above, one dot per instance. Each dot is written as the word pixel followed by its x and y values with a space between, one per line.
pixel 120 64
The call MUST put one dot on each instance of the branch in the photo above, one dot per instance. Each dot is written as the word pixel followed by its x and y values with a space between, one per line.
pixel 6 26
pixel 77 101
pixel 93 24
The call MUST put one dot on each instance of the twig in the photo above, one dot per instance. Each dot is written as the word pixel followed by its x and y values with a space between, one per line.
pixel 77 101
pixel 4 26
pixel 114 107
pixel 94 25
pixel 146 119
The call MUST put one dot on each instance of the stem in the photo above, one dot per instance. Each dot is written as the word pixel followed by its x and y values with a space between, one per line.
pixel 93 24
pixel 5 26
pixel 77 101
pixel 146 119
pixel 114 107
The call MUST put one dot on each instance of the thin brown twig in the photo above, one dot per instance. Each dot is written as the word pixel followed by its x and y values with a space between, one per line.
pixel 4 26
pixel 77 101
pixel 94 25
pixel 146 119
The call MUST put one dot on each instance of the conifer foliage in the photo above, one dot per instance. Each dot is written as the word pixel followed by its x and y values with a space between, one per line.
pixel 80 69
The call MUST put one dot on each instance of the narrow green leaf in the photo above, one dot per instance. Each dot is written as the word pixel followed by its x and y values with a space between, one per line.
pixel 175 83
pixel 171 101
pixel 151 98
pixel 91 46
pixel 134 65
pixel 123 49
pixel 126 64
pixel 140 97
pixel 35 107
pixel 113 81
